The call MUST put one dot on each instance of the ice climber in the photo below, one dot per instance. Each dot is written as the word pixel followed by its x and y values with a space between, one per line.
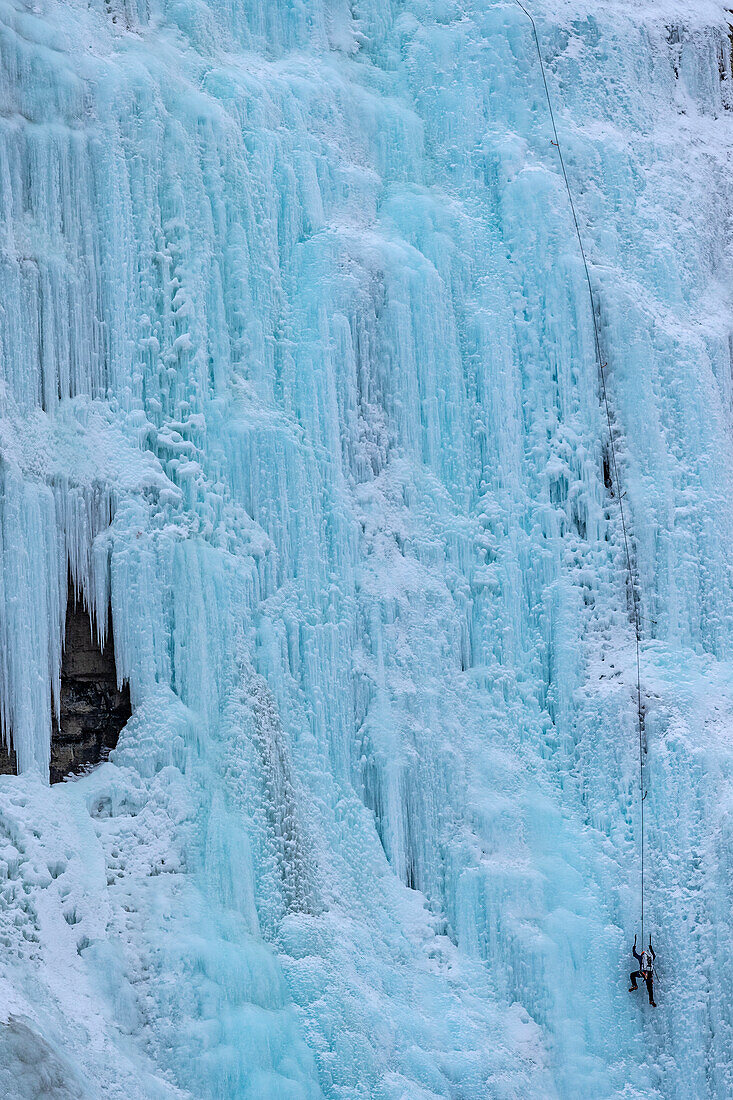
pixel 645 971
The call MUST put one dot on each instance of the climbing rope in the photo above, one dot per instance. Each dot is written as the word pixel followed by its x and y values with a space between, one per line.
pixel 614 463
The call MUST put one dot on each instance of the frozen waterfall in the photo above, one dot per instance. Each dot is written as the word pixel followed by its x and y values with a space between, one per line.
pixel 298 380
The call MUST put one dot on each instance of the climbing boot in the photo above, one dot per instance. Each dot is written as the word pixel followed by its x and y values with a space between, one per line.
pixel 632 988
pixel 653 1004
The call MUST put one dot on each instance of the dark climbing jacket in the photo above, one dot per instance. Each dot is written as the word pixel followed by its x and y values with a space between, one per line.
pixel 645 959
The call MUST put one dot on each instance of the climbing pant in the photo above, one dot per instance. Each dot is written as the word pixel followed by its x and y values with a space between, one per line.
pixel 649 979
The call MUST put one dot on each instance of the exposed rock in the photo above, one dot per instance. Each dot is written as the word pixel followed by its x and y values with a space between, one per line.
pixel 8 762
pixel 93 708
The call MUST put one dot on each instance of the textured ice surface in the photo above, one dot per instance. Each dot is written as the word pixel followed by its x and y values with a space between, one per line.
pixel 297 371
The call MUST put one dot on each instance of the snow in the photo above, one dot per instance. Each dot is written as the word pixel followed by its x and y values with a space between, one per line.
pixel 298 373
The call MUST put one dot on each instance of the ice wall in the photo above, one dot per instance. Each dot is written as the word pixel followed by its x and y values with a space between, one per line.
pixel 298 372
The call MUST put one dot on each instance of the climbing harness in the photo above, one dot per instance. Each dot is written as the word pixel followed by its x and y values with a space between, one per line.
pixel 614 464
